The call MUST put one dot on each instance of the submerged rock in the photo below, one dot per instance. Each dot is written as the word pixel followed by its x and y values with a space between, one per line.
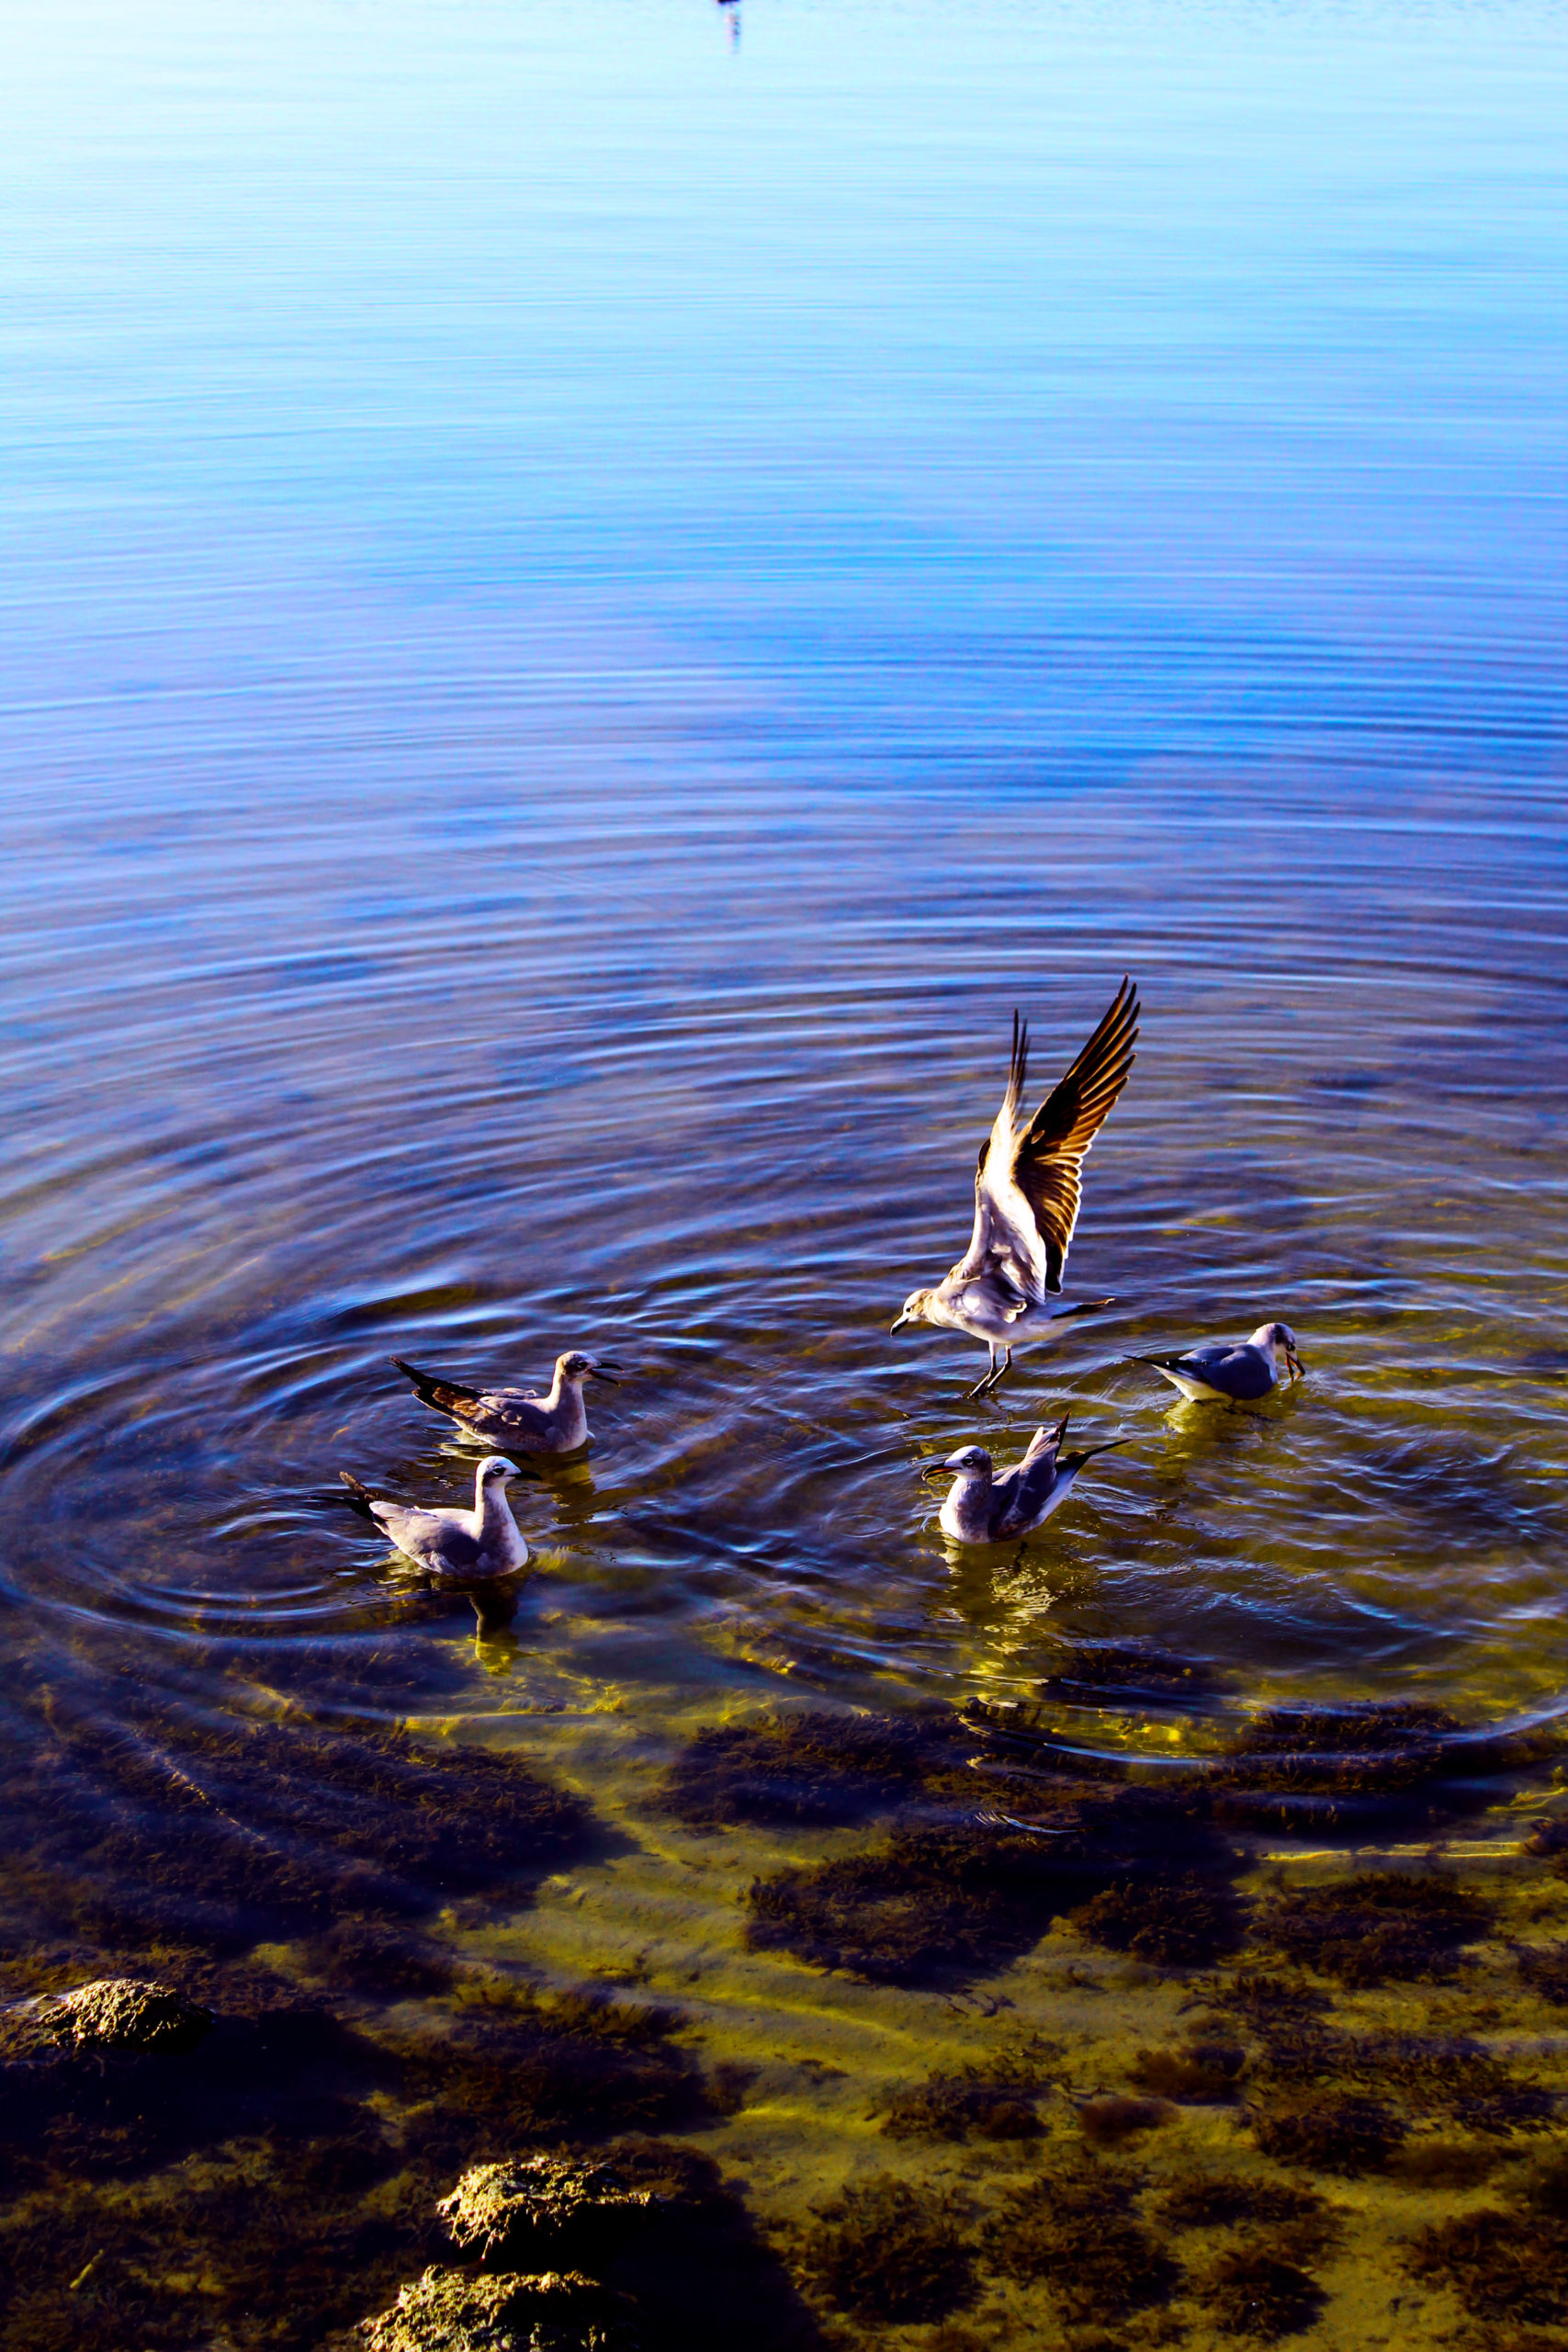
pixel 451 2310
pixel 503 2211
pixel 126 2013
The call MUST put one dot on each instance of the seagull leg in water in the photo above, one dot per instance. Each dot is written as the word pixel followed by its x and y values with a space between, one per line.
pixel 1028 1189
pixel 999 1371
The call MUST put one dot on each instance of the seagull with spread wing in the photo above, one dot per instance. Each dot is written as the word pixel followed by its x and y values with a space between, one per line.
pixel 1027 1187
pixel 987 1506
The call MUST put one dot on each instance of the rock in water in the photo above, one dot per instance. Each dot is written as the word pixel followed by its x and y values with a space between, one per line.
pixel 126 2013
pixel 505 2211
pixel 450 2311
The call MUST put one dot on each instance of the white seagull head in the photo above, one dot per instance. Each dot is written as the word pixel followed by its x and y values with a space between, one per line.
pixel 1270 1336
pixel 970 1461
pixel 913 1309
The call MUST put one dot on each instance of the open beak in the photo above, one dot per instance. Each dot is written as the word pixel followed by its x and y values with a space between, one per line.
pixel 598 1371
pixel 1294 1361
pixel 931 1470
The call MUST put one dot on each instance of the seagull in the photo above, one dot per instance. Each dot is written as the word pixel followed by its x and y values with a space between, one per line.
pixel 1224 1375
pixel 983 1509
pixel 554 1424
pixel 484 1542
pixel 1027 1191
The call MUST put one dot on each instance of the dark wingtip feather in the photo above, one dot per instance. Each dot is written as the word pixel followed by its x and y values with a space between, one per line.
pixel 358 1494
pixel 1018 1066
pixel 432 1387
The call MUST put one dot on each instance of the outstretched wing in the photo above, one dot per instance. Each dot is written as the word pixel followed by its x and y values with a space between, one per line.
pixel 1028 1186
pixel 1022 1492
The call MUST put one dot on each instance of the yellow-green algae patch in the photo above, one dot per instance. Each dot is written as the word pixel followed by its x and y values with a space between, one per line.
pixel 1081 2143
pixel 1464 2058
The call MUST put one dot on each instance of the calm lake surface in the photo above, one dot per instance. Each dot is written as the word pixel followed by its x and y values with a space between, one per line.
pixel 592 597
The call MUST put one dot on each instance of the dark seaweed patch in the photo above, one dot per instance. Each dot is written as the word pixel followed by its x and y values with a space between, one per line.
pixel 1180 1923
pixel 1352 2099
pixel 1128 1672
pixel 1444 2164
pixel 1451 2077
pixel 378 1959
pixel 1229 2200
pixel 1108 2119
pixel 290 2070
pixel 993 1854
pixel 989 1847
pixel 518 2069
pixel 1378 1925
pixel 992 2101
pixel 230 1829
pixel 1545 1970
pixel 812 1770
pixel 325 2153
pixel 1503 2265
pixel 887 2251
pixel 1253 2291
pixel 1203 2074
pixel 1337 1767
pixel 931 1904
pixel 1340 2135
pixel 1072 2232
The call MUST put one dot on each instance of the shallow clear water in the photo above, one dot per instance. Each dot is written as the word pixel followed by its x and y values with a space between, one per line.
pixel 592 598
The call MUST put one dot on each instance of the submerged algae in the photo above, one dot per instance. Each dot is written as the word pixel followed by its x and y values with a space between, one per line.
pixel 1225 2200
pixel 1205 2072
pixel 311 2154
pixel 1252 2290
pixel 506 2070
pixel 1378 1924
pixel 995 2101
pixel 887 2251
pixel 927 1906
pixel 227 1829
pixel 1180 1923
pixel 1072 2231
pixel 813 1768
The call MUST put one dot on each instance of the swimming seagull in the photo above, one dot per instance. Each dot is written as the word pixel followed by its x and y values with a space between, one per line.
pixel 1224 1375
pixel 1027 1191
pixel 484 1542
pixel 983 1509
pixel 557 1423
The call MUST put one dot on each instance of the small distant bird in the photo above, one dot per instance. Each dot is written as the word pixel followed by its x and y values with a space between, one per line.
pixel 1230 1375
pixel 983 1509
pixel 1027 1187
pixel 557 1423
pixel 484 1542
